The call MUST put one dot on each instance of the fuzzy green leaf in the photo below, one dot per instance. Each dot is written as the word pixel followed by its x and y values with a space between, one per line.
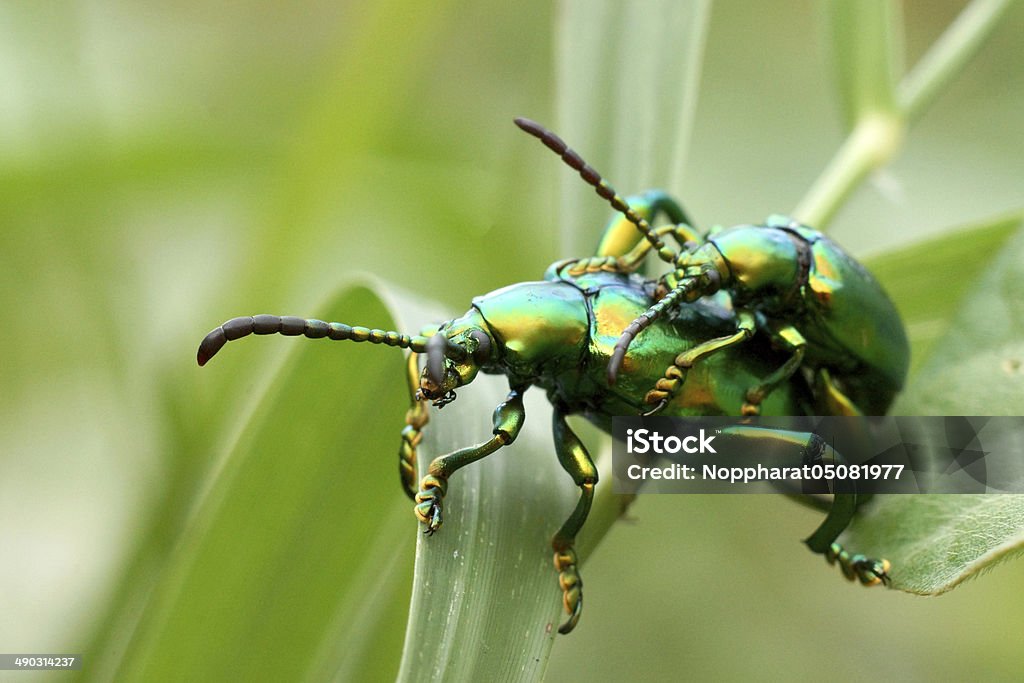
pixel 918 279
pixel 976 368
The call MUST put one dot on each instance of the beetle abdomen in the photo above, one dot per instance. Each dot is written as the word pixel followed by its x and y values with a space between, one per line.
pixel 857 316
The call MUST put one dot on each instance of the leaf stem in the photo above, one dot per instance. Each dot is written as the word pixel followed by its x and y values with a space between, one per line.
pixel 877 134
pixel 948 55
pixel 874 140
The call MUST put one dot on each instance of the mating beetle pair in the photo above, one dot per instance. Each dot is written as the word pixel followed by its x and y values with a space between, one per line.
pixel 772 319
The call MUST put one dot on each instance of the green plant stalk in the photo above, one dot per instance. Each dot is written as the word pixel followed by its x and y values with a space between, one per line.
pixel 866 58
pixel 948 55
pixel 878 132
pixel 875 139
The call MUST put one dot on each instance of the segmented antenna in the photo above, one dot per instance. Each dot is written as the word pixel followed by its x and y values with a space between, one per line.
pixel 649 316
pixel 600 185
pixel 290 326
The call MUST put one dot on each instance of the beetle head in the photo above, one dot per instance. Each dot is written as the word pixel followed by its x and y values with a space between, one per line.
pixel 455 354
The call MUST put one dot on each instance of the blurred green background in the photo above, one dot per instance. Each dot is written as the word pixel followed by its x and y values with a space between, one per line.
pixel 166 167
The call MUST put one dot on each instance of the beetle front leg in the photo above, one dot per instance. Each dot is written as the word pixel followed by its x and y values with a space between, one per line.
pixel 508 421
pixel 573 456
pixel 627 263
pixel 416 419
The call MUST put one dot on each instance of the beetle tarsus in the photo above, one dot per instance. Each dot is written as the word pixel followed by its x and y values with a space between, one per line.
pixel 869 571
pixel 572 587
pixel 428 503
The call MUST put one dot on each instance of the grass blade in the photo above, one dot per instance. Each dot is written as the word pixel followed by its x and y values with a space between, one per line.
pixel 302 531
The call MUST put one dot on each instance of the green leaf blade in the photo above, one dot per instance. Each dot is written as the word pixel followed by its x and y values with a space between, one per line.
pixel 975 368
pixel 628 77
pixel 918 278
pixel 936 542
pixel 301 529
pixel 486 601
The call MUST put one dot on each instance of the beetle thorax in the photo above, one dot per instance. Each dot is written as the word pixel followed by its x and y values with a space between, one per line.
pixel 537 325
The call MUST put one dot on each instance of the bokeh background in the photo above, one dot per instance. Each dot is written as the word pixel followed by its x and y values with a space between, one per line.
pixel 165 167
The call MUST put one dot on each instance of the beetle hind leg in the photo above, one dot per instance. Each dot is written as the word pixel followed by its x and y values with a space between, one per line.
pixel 869 571
pixel 576 461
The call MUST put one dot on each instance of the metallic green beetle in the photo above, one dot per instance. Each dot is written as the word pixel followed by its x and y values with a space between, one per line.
pixel 571 335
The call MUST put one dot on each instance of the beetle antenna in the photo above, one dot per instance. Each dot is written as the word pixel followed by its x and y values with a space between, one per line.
pixel 649 316
pixel 290 326
pixel 600 185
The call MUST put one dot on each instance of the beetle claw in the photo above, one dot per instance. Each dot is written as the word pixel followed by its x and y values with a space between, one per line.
pixel 428 503
pixel 656 409
pixel 574 618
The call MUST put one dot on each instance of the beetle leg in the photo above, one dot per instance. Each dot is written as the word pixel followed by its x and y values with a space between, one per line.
pixel 628 263
pixel 684 235
pixel 508 420
pixel 622 248
pixel 788 337
pixel 853 566
pixel 837 402
pixel 593 264
pixel 573 456
pixel 868 570
pixel 668 386
pixel 814 450
pixel 621 236
pixel 415 419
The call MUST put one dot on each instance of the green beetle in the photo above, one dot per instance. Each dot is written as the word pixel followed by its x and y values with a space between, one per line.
pixel 572 336
pixel 784 279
